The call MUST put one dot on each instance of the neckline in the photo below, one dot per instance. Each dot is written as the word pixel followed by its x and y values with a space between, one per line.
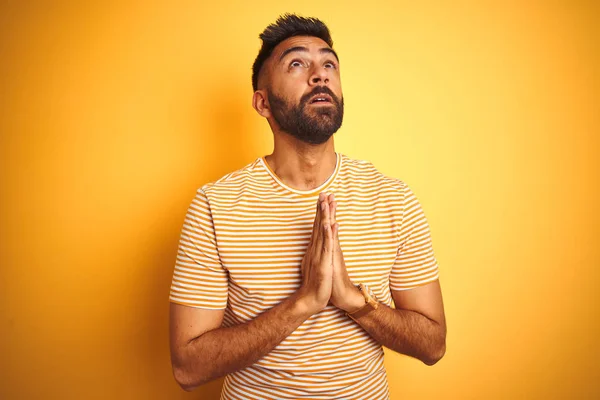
pixel 311 192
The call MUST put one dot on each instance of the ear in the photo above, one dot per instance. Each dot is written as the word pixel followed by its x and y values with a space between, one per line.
pixel 261 104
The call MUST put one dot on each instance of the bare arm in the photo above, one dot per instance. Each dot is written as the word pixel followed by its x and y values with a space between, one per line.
pixel 202 350
pixel 219 351
pixel 417 327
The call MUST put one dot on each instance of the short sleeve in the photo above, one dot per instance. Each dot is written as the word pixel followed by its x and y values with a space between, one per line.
pixel 415 263
pixel 199 279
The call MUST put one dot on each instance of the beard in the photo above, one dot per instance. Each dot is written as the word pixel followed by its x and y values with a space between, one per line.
pixel 310 126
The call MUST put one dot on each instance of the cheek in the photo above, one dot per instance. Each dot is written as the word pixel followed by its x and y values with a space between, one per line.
pixel 335 81
pixel 336 86
pixel 294 88
pixel 293 77
pixel 296 75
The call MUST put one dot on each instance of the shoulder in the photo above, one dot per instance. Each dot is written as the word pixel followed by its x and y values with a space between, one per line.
pixel 364 173
pixel 251 176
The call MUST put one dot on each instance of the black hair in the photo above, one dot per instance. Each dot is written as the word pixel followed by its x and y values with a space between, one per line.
pixel 286 26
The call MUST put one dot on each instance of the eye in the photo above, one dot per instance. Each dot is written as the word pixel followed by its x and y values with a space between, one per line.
pixel 296 63
pixel 331 64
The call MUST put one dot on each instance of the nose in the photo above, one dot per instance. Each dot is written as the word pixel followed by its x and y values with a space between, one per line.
pixel 319 74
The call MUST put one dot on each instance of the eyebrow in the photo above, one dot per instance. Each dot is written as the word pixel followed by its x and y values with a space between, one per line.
pixel 323 50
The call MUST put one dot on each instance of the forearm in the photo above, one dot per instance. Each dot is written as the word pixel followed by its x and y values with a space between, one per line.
pixel 406 332
pixel 225 350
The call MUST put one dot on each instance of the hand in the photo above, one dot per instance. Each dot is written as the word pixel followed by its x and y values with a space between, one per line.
pixel 317 264
pixel 344 293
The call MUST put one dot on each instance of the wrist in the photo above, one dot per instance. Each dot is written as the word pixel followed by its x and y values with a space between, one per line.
pixel 370 305
pixel 304 304
pixel 353 299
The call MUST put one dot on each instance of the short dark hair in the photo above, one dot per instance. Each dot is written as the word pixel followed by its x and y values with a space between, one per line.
pixel 286 26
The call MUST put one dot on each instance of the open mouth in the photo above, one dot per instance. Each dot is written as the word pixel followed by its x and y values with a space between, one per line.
pixel 321 99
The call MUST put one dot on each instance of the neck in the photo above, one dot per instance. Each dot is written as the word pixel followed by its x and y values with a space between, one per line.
pixel 300 165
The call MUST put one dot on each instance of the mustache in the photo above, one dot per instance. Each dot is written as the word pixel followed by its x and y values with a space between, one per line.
pixel 319 90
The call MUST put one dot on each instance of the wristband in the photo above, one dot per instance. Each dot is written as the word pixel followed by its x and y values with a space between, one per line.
pixel 371 303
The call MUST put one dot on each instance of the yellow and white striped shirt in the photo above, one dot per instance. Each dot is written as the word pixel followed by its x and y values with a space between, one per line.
pixel 241 246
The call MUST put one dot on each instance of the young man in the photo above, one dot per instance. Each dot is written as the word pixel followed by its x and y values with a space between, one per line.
pixel 287 268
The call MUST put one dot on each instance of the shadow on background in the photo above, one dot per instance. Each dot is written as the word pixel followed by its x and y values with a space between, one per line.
pixel 228 143
pixel 112 115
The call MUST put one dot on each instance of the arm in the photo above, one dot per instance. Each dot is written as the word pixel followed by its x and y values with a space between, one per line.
pixel 417 327
pixel 202 350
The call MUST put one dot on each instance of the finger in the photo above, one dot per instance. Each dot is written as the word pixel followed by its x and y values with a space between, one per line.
pixel 326 215
pixel 327 232
pixel 316 239
pixel 336 231
pixel 333 206
pixel 326 222
pixel 331 199
pixel 317 222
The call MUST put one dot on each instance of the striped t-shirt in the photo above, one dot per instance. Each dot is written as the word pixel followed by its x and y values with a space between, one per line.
pixel 241 246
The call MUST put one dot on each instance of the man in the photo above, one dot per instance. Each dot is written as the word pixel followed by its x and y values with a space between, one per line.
pixel 287 268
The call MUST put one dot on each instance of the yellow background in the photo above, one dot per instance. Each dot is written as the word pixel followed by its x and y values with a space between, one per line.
pixel 113 115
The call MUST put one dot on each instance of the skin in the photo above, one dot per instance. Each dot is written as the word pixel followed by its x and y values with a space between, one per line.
pixel 202 350
pixel 298 164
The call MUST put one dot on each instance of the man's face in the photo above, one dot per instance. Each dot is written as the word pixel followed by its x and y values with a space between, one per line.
pixel 305 93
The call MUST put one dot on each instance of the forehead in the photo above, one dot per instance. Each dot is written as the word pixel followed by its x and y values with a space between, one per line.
pixel 310 42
